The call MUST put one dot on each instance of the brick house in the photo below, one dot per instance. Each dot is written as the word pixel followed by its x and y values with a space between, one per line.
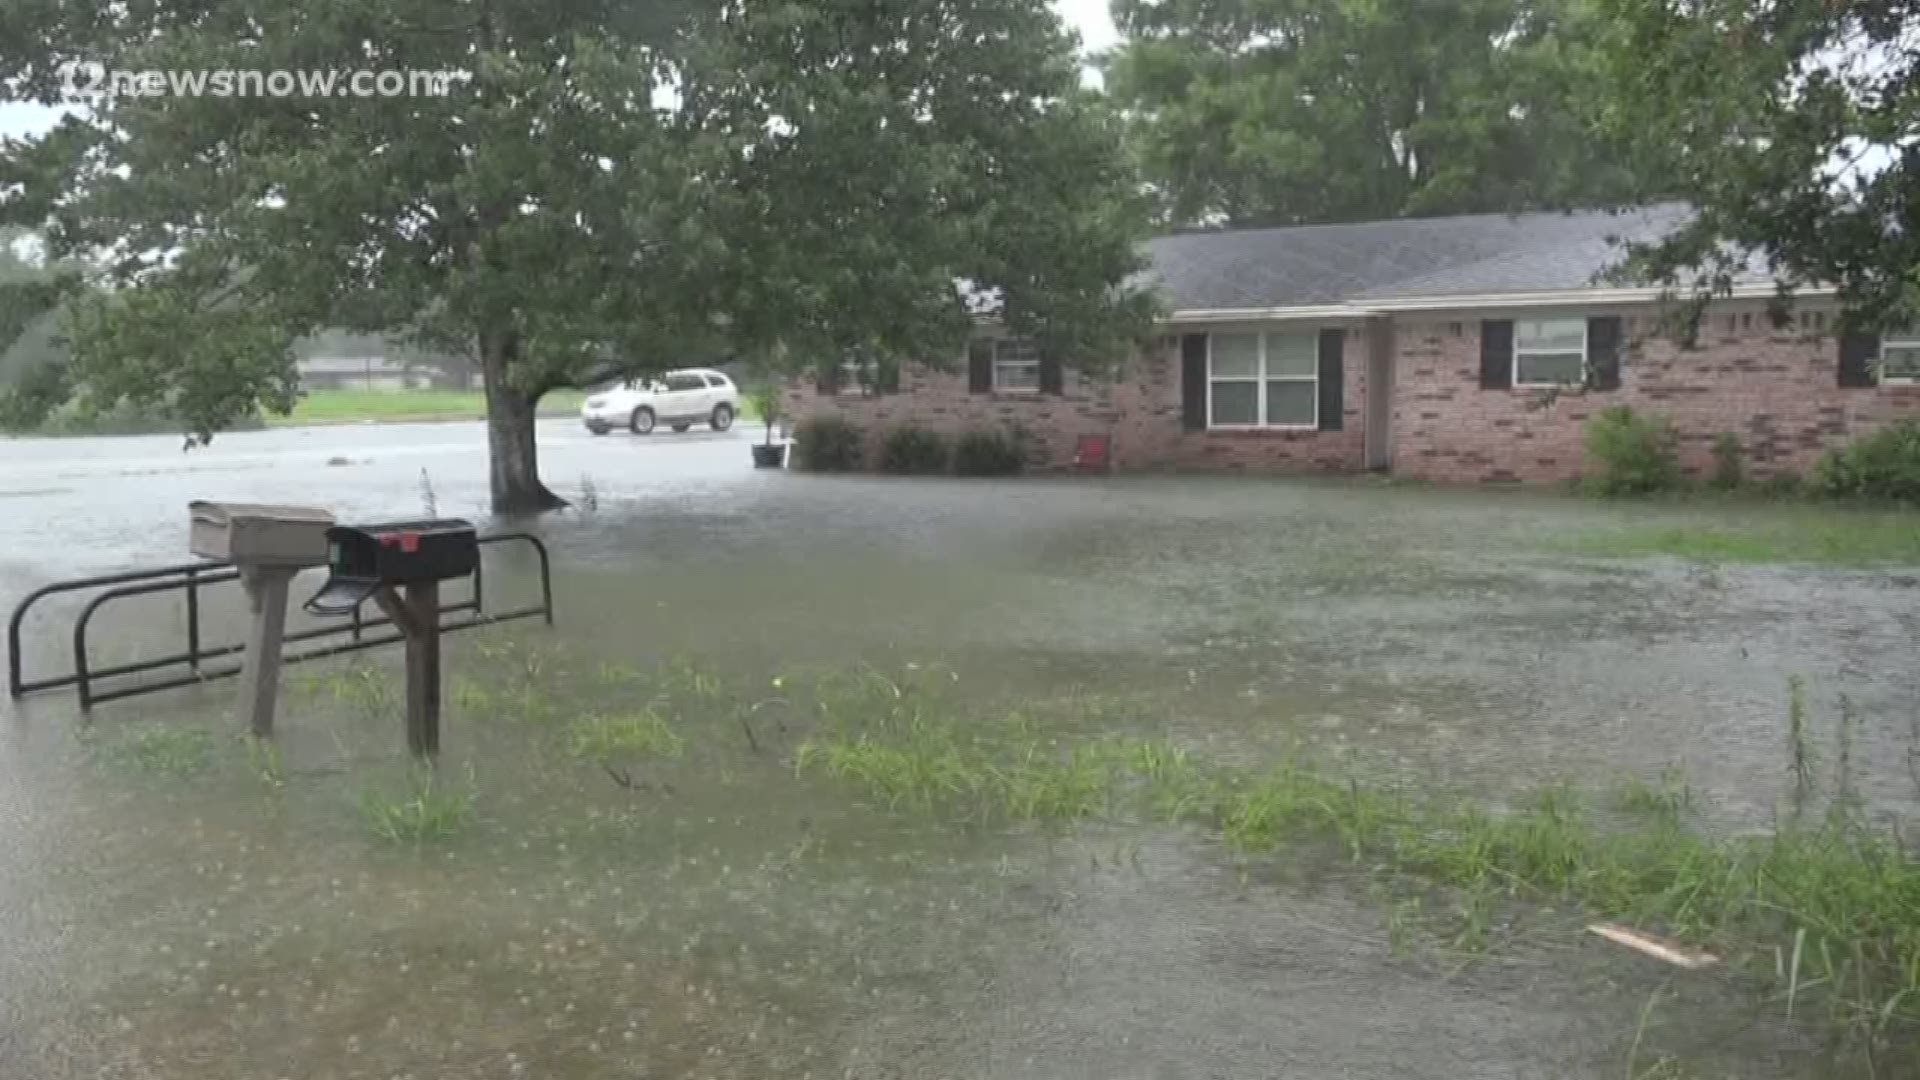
pixel 1462 349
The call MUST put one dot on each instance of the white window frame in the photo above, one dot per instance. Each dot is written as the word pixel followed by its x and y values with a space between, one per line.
pixel 994 366
pixel 1261 379
pixel 1586 355
pixel 1908 339
pixel 857 377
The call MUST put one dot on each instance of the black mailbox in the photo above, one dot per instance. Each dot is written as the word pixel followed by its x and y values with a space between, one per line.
pixel 361 559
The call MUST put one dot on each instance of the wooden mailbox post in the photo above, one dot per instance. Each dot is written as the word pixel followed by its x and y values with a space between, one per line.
pixel 400 566
pixel 268 545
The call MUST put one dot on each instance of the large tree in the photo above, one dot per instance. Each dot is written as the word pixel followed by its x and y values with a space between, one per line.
pixel 1794 127
pixel 1300 111
pixel 611 185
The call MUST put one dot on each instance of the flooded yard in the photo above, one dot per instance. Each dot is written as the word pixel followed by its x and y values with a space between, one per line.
pixel 663 839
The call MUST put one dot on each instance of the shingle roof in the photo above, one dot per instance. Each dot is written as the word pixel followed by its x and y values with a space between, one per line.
pixel 1375 260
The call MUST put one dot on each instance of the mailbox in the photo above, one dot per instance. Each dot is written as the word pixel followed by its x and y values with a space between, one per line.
pixel 256 534
pixel 361 559
pixel 268 545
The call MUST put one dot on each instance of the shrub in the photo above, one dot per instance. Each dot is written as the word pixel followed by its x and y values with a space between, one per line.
pixel 828 444
pixel 1729 463
pixel 913 451
pixel 1635 453
pixel 1785 484
pixel 1883 466
pixel 989 452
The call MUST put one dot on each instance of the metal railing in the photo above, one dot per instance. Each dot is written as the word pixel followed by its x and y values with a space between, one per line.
pixel 191 578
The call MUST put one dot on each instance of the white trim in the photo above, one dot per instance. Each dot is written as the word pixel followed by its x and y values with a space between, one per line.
pixel 1513 376
pixel 994 362
pixel 1909 339
pixel 1317 312
pixel 1371 308
pixel 1260 380
pixel 1574 298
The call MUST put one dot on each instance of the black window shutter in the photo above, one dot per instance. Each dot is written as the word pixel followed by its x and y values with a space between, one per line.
pixel 980 366
pixel 886 376
pixel 1333 378
pixel 828 381
pixel 1603 352
pixel 1857 353
pixel 1193 381
pixel 1496 354
pixel 1052 378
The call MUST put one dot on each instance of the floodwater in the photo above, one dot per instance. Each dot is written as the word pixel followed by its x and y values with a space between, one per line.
pixel 720 916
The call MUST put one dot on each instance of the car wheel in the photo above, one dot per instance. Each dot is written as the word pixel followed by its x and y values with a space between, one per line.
pixel 598 429
pixel 680 429
pixel 722 417
pixel 642 421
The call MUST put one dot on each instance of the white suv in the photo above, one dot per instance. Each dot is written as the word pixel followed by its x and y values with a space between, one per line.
pixel 678 399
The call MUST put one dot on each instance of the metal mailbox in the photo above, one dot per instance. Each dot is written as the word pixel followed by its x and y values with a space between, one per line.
pixel 400 566
pixel 361 559
pixel 258 534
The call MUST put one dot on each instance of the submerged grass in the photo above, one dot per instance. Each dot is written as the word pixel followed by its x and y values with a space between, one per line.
pixel 1824 910
pixel 629 736
pixel 1831 538
pixel 427 810
pixel 160 750
pixel 1840 896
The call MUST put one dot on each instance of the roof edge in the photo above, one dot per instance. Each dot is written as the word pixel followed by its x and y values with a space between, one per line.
pixel 1557 297
pixel 1443 302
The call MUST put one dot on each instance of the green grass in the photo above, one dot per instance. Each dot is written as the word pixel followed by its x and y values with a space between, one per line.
pixel 1823 910
pixel 630 736
pixel 1837 896
pixel 426 811
pixel 161 750
pixel 1834 538
pixel 403 406
pixel 397 406
pixel 72 421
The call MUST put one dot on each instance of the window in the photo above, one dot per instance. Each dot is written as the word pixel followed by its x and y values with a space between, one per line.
pixel 1263 380
pixel 1016 366
pixel 682 383
pixel 856 376
pixel 1549 352
pixel 717 382
pixel 1900 357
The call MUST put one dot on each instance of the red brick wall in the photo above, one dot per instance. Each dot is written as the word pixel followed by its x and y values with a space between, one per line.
pixel 939 401
pixel 1777 389
pixel 1138 407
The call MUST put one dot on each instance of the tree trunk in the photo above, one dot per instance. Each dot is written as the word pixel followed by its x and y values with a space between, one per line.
pixel 513 458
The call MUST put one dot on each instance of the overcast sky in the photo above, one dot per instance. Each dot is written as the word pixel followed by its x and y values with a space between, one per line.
pixel 1090 17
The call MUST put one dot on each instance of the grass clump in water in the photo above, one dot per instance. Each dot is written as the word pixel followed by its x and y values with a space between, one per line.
pixel 162 751
pixel 1668 800
pixel 428 810
pixel 607 739
pixel 1838 897
pixel 1821 538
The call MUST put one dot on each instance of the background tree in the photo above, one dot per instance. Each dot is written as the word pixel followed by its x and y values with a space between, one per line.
pixel 1299 111
pixel 615 185
pixel 1792 127
pixel 33 357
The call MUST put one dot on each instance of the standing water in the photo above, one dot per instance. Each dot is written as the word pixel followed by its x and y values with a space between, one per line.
pixel 671 836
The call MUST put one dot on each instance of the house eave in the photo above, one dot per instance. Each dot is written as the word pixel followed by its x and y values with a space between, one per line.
pixel 1547 298
pixel 1571 298
pixel 1310 312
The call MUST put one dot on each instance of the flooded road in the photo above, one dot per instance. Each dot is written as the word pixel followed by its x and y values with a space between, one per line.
pixel 179 905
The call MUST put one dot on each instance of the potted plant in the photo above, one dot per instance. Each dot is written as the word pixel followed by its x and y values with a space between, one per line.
pixel 765 399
